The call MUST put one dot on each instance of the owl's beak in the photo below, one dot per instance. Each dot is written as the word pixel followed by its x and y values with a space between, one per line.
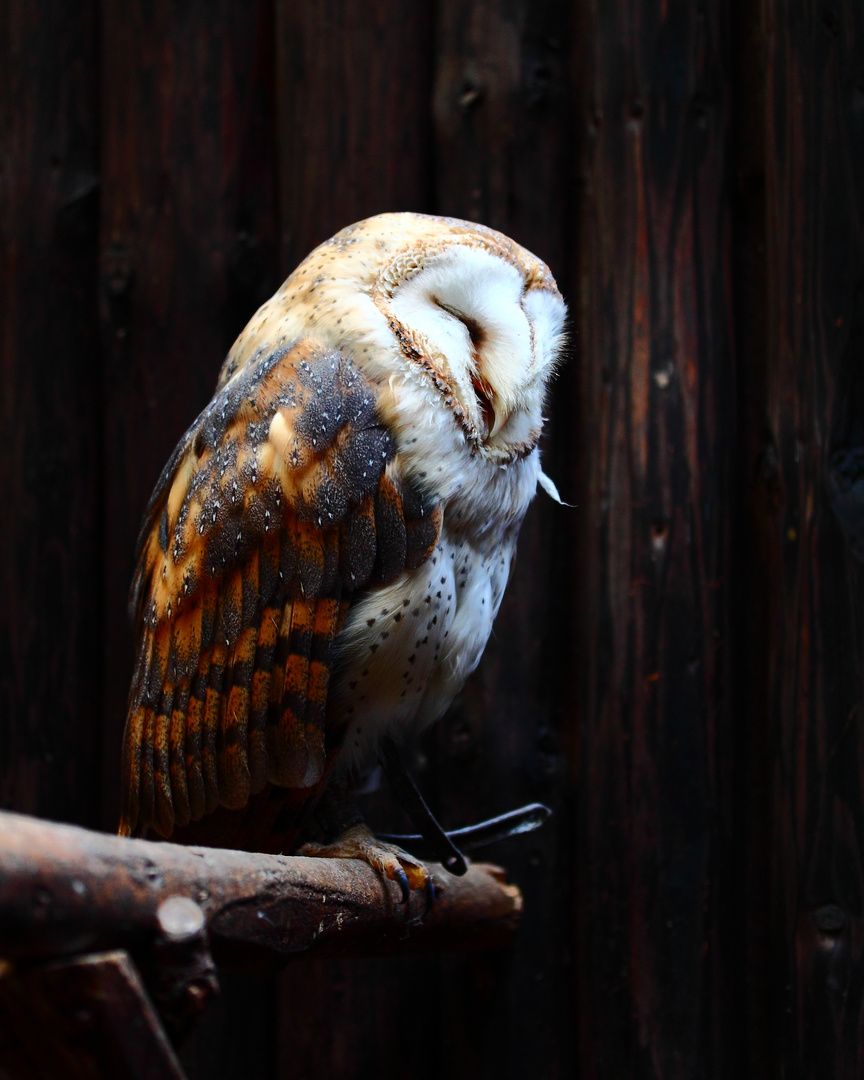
pixel 494 416
pixel 501 416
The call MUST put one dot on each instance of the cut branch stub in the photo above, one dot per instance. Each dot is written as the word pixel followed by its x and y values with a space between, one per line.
pixel 179 971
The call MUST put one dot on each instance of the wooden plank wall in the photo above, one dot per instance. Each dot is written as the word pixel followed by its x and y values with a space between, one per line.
pixel 654 878
pixel 677 666
pixel 814 444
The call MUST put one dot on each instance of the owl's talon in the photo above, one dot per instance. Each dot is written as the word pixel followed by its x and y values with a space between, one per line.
pixel 358 842
pixel 402 881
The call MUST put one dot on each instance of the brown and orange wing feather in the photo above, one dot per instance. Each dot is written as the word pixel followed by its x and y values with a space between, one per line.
pixel 281 502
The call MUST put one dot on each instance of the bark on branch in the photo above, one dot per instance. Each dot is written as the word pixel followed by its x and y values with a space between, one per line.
pixel 66 890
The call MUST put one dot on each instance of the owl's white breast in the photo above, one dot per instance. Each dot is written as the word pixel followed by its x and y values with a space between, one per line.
pixel 407 649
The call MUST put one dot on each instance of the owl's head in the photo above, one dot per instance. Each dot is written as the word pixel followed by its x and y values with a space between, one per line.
pixel 484 320
pixel 453 305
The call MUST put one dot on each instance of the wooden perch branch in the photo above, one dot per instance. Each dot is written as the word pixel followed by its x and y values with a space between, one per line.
pixel 106 942
pixel 66 890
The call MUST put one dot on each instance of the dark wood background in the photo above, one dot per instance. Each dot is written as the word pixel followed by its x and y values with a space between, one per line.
pixel 677 667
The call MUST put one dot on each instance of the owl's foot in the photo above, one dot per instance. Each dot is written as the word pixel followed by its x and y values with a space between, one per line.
pixel 359 842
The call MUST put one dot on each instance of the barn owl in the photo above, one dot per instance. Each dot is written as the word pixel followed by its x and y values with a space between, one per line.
pixel 327 548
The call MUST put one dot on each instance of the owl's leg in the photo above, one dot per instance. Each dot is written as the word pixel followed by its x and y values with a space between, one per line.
pixel 413 803
pixel 347 836
pixel 359 842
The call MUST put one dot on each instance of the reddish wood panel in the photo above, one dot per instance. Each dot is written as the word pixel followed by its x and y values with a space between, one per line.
pixel 750 553
pixel 811 498
pixel 502 107
pixel 50 420
pixel 188 252
pixel 354 119
pixel 655 921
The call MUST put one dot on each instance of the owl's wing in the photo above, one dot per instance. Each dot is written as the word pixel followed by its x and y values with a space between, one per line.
pixel 281 501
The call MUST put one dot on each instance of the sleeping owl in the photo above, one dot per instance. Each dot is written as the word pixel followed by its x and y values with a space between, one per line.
pixel 327 548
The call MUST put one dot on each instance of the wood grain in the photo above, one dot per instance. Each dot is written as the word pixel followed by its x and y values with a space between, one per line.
pixel 655 922
pixel 354 115
pixel 50 420
pixel 814 593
